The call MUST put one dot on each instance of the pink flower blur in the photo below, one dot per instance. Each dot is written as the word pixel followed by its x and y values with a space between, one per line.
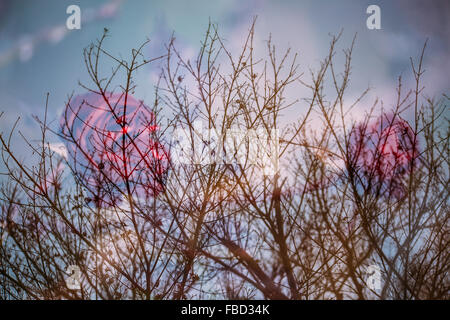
pixel 115 143
pixel 384 151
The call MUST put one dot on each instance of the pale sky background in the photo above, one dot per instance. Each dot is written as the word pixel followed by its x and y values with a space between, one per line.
pixel 53 62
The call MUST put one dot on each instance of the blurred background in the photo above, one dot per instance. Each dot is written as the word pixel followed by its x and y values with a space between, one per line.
pixel 38 54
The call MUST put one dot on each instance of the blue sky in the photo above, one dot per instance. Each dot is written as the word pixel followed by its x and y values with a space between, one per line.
pixel 56 66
